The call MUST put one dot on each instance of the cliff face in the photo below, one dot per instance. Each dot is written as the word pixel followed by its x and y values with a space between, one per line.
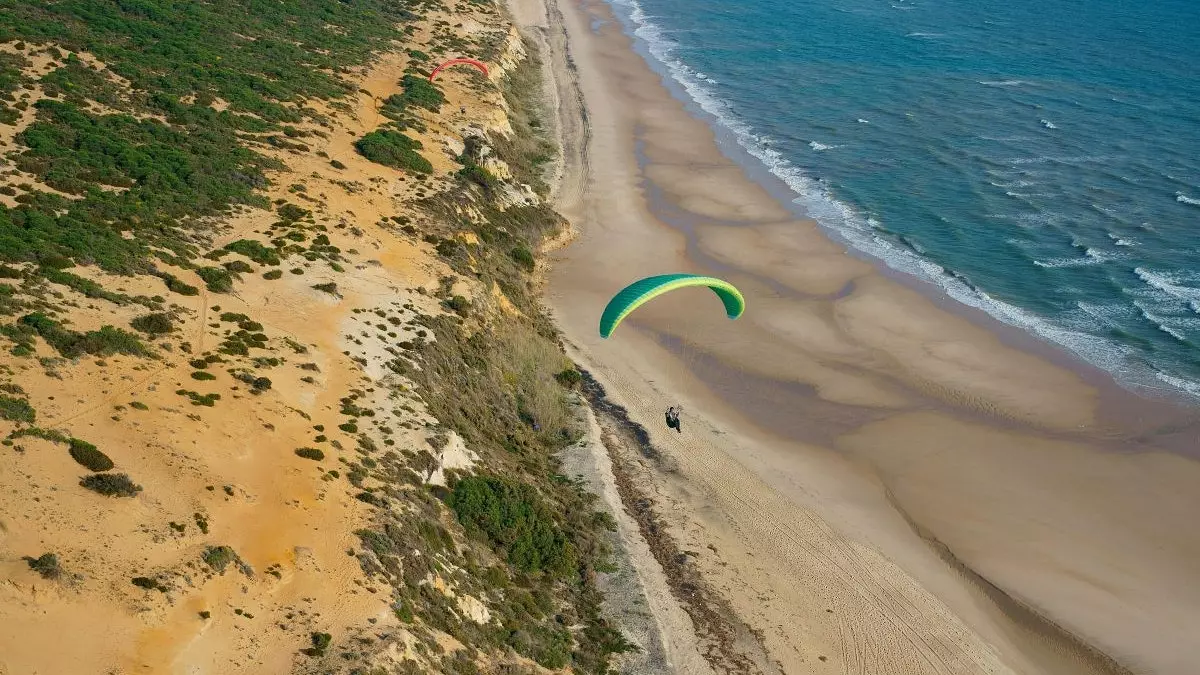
pixel 271 430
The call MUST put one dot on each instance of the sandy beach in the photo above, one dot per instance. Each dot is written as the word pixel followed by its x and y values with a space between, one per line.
pixel 869 478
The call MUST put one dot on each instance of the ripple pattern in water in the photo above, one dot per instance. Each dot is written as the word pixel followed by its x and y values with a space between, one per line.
pixel 1039 159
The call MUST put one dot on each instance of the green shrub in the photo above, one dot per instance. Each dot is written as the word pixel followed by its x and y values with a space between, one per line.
pixel 46 565
pixel 87 287
pixel 219 557
pixel 569 378
pixel 202 375
pixel 218 280
pixel 16 410
pixel 176 285
pixel 157 323
pixel 448 247
pixel 310 453
pixel 70 344
pixel 524 258
pixel 111 484
pixel 238 267
pixel 89 455
pixel 255 251
pixel 320 642
pixel 514 520
pixel 149 584
pixel 290 213
pixel 330 288
pixel 336 164
pixel 138 405
pixel 394 149
pixel 459 305
pixel 273 275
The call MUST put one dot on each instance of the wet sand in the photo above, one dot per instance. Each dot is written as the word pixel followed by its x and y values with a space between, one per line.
pixel 888 482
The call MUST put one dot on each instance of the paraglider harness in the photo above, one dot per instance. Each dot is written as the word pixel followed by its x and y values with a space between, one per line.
pixel 673 419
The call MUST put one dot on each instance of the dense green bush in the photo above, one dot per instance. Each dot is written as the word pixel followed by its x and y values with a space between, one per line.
pixel 524 258
pixel 255 251
pixel 459 305
pixel 176 285
pixel 89 455
pixel 569 378
pixel 394 149
pixel 157 323
pixel 417 92
pixel 513 518
pixel 310 453
pixel 218 280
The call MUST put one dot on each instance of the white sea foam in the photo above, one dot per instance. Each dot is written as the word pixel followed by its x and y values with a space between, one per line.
pixel 820 147
pixel 1118 240
pixel 1065 262
pixel 859 234
pixel 1048 124
pixel 1170 285
pixel 1189 386
pixel 862 121
pixel 919 34
pixel 1184 199
pixel 1091 256
pixel 1002 83
pixel 1165 324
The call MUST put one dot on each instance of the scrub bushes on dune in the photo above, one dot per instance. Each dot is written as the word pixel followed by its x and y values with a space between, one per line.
pixel 154 324
pixel 515 521
pixel 46 565
pixel 394 149
pixel 89 455
pixel 111 484
pixel 16 410
pixel 70 344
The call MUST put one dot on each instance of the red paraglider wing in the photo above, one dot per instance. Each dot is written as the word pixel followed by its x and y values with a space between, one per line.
pixel 451 62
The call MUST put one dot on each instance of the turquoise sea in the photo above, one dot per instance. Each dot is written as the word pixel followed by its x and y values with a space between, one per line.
pixel 1037 159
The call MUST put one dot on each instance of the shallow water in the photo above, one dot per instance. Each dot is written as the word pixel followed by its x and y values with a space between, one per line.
pixel 1038 160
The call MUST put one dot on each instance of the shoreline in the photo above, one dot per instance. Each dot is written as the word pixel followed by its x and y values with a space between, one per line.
pixel 1026 337
pixel 839 478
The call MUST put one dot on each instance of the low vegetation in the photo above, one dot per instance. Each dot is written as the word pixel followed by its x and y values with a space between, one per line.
pixel 46 565
pixel 394 149
pixel 149 166
pixel 89 456
pixel 111 484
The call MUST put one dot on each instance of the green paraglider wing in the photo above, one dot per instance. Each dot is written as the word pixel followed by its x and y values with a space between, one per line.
pixel 639 292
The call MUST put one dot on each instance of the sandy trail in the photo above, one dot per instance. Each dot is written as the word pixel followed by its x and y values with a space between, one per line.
pixel 898 488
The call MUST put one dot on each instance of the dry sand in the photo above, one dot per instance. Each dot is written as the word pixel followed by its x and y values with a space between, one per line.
pixel 873 483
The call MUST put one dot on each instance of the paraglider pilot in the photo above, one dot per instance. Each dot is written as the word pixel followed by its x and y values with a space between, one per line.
pixel 673 419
